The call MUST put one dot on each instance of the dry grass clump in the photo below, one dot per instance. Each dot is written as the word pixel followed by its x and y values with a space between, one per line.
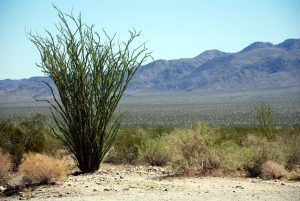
pixel 42 169
pixel 273 170
pixel 5 167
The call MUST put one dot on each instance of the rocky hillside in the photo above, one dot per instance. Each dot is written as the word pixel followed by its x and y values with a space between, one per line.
pixel 258 66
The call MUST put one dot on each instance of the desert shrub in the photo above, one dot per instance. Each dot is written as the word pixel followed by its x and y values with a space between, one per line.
pixel 272 170
pixel 292 139
pixel 29 135
pixel 231 155
pixel 264 116
pixel 34 131
pixel 159 131
pixel 207 163
pixel 251 140
pixel 5 167
pixel 125 147
pixel 235 134
pixel 253 166
pixel 186 146
pixel 293 157
pixel 261 154
pixel 155 152
pixel 12 141
pixel 189 154
pixel 42 169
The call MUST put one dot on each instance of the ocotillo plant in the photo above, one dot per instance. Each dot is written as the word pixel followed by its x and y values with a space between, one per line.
pixel 91 75
pixel 264 116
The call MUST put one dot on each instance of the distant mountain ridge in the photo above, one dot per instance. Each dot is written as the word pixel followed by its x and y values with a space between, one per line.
pixel 261 65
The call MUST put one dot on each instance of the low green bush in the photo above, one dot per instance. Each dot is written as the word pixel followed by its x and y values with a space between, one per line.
pixel 253 165
pixel 125 148
pixel 264 116
pixel 155 152
pixel 190 151
pixel 128 141
pixel 30 135
pixel 12 140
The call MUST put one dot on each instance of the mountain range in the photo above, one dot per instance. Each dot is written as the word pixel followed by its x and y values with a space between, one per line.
pixel 261 65
pixel 258 66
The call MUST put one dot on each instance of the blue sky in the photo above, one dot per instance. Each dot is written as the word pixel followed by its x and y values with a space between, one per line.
pixel 175 29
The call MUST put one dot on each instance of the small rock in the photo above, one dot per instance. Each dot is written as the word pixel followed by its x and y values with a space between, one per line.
pixel 95 190
pixel 282 184
pixel 106 189
pixel 166 189
pixel 60 195
pixel 121 177
pixel 126 189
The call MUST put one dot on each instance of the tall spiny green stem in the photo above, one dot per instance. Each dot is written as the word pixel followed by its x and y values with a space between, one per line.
pixel 91 76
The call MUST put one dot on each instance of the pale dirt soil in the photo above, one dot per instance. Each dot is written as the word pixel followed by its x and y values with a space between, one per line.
pixel 152 183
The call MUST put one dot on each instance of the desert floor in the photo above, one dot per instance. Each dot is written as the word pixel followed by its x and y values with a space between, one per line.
pixel 119 182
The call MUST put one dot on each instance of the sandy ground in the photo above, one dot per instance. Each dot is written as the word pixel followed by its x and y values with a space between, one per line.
pixel 153 183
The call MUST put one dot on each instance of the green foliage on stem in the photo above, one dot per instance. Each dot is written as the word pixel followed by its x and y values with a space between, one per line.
pixel 91 75
pixel 264 116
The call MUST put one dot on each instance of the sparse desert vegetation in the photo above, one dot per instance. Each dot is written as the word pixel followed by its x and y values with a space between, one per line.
pixel 186 151
pixel 203 150
pixel 108 125
pixel 194 150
